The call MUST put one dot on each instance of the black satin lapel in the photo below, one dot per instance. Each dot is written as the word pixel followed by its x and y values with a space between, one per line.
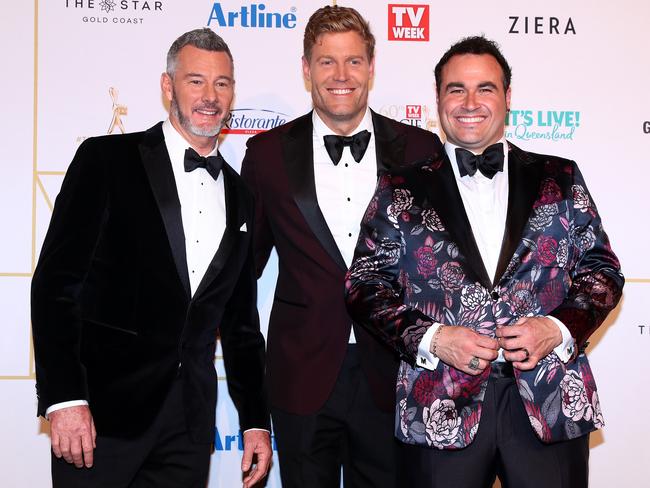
pixel 299 164
pixel 158 167
pixel 235 218
pixel 445 198
pixel 524 180
pixel 390 145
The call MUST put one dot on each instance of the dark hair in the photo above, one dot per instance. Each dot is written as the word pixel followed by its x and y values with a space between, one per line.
pixel 474 45
pixel 337 19
pixel 200 38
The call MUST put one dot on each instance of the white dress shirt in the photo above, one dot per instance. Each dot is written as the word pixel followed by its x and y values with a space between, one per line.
pixel 345 190
pixel 203 213
pixel 486 205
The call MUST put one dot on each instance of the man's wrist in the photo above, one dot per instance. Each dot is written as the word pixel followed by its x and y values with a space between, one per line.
pixel 62 405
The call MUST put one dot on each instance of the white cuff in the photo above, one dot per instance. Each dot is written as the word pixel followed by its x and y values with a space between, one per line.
pixel 59 406
pixel 425 358
pixel 257 428
pixel 565 350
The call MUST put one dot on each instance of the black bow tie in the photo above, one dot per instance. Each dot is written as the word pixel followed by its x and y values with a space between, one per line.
pixel 193 160
pixel 358 144
pixel 489 163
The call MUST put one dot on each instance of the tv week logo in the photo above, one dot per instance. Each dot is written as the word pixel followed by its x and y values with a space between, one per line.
pixel 414 111
pixel 408 22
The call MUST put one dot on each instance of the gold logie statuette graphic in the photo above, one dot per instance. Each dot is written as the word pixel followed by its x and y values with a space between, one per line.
pixel 118 111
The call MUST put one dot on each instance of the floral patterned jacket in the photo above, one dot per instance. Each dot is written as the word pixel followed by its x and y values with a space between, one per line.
pixel 417 262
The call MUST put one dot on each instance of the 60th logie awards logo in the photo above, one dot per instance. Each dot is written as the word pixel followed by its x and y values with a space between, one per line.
pixel 118 111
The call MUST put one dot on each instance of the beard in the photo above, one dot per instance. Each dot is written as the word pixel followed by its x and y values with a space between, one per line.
pixel 187 124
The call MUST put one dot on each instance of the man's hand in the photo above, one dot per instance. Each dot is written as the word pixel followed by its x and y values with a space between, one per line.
pixel 73 435
pixel 528 341
pixel 256 443
pixel 458 346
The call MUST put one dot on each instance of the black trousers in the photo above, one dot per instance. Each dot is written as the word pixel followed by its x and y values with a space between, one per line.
pixel 348 432
pixel 164 456
pixel 505 446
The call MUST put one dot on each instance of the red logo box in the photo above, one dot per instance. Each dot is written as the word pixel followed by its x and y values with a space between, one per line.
pixel 414 111
pixel 408 22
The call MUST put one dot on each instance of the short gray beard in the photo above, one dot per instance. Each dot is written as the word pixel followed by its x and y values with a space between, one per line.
pixel 187 124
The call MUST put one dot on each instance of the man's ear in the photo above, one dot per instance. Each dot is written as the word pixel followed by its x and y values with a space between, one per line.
pixel 167 86
pixel 306 70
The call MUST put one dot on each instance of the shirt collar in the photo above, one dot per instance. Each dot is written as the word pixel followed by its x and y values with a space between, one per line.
pixel 451 153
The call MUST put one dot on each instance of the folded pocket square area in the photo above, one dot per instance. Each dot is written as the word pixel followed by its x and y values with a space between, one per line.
pixel 243 227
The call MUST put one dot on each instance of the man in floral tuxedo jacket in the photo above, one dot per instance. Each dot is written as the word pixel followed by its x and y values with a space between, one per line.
pixel 487 270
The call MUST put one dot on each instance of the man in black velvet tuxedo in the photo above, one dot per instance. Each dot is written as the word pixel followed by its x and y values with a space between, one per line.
pixel 147 258
pixel 331 383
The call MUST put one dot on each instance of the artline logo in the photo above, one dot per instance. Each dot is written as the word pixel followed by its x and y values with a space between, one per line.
pixel 527 125
pixel 415 115
pixel 233 442
pixel 251 121
pixel 114 8
pixel 252 16
pixel 408 22
pixel 541 25
pixel 646 127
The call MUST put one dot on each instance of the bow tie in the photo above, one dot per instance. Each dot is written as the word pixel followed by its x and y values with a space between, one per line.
pixel 489 163
pixel 212 164
pixel 358 144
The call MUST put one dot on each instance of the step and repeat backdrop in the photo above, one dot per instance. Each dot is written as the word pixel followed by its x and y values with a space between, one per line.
pixel 79 68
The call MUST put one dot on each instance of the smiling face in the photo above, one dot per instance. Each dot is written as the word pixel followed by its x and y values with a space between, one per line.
pixel 472 104
pixel 200 93
pixel 340 72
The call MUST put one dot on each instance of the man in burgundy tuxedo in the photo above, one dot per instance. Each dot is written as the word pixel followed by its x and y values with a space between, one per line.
pixel 487 270
pixel 331 382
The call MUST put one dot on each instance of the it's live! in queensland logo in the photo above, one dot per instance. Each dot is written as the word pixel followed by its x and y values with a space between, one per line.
pixel 552 125
pixel 408 22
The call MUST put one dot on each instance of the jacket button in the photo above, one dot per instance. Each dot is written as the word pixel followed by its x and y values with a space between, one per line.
pixel 495 295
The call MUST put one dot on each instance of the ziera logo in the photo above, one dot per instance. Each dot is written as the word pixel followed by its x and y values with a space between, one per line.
pixel 540 25
pixel 646 127
pixel 252 16
pixel 250 121
pixel 408 22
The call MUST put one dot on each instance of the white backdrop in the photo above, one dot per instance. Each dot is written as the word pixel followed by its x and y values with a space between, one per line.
pixel 580 78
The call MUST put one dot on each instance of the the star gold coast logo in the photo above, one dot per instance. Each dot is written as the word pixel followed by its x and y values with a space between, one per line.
pixel 115 11
pixel 107 5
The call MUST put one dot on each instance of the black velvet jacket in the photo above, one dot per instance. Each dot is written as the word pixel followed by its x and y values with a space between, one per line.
pixel 112 316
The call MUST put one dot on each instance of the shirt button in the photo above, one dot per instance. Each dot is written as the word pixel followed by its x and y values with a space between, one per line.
pixel 495 295
pixel 349 234
pixel 346 165
pixel 348 199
